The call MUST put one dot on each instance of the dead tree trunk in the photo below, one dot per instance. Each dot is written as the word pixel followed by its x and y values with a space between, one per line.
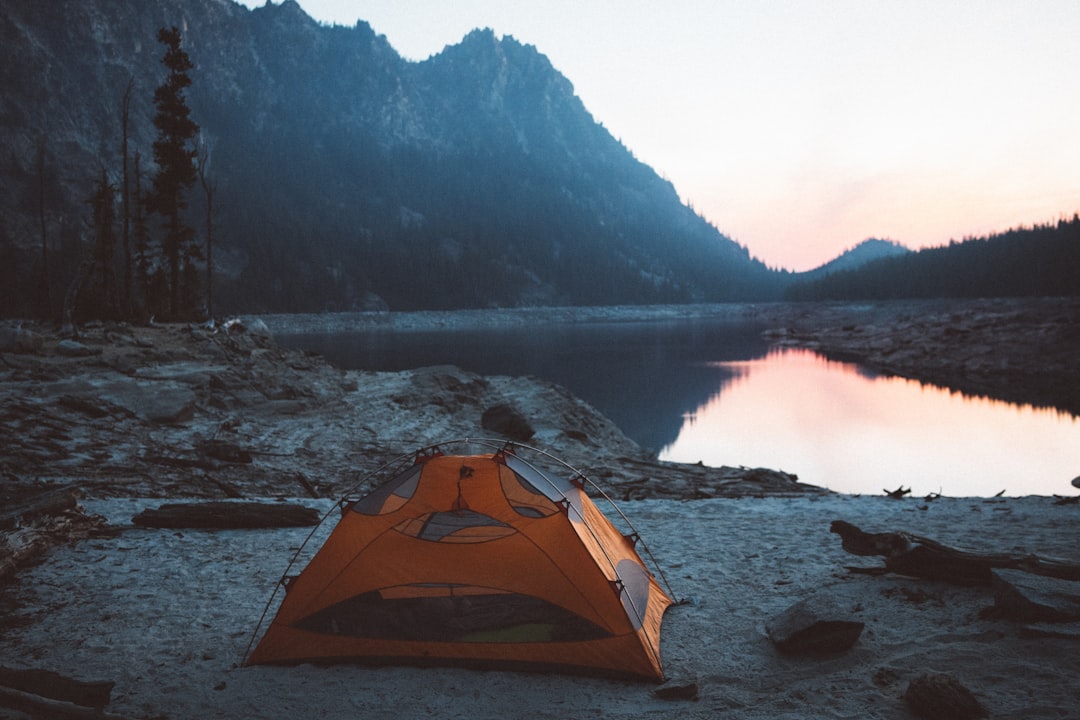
pixel 915 556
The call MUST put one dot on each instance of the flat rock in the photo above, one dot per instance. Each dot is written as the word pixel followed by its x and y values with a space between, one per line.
pixel 74 348
pixel 815 626
pixel 20 340
pixel 1034 598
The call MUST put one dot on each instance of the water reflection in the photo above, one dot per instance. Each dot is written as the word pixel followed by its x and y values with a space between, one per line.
pixel 645 376
pixel 852 431
pixel 709 390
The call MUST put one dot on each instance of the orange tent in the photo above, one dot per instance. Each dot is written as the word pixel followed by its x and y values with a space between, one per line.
pixel 478 560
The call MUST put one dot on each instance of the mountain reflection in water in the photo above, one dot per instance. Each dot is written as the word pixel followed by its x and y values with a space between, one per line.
pixel 710 390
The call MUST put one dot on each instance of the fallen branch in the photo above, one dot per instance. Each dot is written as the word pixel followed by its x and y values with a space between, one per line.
pixel 915 556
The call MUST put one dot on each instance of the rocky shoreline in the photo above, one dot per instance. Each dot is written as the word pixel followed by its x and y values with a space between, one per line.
pixel 1025 351
pixel 223 411
pixel 191 411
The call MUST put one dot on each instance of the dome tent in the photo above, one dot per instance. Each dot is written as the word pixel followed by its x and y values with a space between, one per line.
pixel 474 559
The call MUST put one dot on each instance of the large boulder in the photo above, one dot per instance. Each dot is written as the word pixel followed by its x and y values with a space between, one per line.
pixel 815 626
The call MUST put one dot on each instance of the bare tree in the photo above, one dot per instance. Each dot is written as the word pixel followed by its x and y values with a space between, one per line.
pixel 209 189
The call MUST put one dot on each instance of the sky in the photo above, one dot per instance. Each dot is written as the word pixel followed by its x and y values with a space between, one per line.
pixel 800 128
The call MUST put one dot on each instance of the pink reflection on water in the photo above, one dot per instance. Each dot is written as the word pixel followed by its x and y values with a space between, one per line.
pixel 836 427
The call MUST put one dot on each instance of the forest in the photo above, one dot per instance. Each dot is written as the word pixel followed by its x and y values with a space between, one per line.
pixel 1042 260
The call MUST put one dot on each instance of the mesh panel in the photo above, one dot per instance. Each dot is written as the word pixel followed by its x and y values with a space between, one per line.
pixel 461 526
pixel 460 614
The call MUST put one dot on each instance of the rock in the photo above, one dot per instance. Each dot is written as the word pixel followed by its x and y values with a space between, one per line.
pixel 258 327
pixel 941 697
pixel 678 689
pixel 74 348
pixel 507 421
pixel 224 451
pixel 20 340
pixel 169 407
pixel 816 626
pixel 1035 598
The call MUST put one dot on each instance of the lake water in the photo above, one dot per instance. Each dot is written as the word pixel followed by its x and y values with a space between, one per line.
pixel 712 391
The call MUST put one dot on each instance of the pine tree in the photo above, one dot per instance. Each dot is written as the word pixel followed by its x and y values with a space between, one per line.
pixel 174 154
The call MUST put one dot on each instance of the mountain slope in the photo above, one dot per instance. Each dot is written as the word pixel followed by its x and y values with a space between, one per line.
pixel 345 176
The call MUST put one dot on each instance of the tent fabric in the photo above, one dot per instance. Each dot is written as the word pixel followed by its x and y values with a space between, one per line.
pixel 478 560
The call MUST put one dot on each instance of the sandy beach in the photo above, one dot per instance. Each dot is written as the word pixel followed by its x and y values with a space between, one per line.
pixel 168 614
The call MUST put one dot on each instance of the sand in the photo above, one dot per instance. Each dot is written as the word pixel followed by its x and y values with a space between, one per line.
pixel 168 615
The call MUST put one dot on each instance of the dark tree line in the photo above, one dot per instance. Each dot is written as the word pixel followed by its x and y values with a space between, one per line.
pixel 1043 260
pixel 144 260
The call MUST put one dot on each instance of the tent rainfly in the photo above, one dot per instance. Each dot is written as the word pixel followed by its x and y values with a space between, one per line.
pixel 478 560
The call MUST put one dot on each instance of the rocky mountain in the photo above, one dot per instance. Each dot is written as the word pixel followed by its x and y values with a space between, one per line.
pixel 344 176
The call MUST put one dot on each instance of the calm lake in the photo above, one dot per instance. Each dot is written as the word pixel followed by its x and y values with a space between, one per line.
pixel 710 390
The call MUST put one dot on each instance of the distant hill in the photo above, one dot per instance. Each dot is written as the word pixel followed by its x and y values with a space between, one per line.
pixel 344 176
pixel 1043 260
pixel 865 252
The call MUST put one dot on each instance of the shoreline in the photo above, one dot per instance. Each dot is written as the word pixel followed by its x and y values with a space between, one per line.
pixel 1020 350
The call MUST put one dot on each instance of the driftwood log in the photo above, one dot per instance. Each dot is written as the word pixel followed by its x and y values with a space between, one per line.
pixel 37 706
pixel 227 515
pixel 54 686
pixel 29 528
pixel 915 556
pixel 51 502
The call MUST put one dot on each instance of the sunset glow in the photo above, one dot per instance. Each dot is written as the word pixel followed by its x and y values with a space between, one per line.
pixel 802 128
pixel 853 433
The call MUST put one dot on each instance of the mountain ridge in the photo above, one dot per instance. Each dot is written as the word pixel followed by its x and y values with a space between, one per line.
pixel 348 176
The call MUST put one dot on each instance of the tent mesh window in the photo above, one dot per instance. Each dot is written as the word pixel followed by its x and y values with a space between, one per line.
pixel 451 613
pixel 456 526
